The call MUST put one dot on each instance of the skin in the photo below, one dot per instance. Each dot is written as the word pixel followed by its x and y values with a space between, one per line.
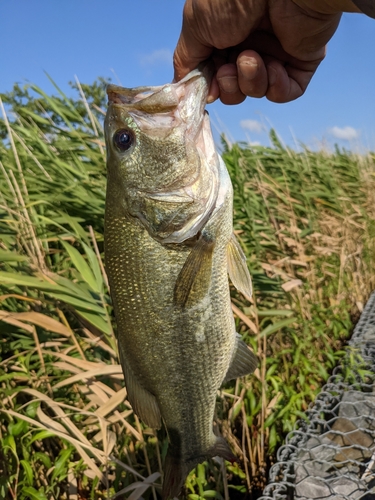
pixel 260 48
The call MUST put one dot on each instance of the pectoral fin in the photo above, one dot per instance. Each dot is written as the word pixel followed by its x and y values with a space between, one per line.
pixel 143 402
pixel 194 279
pixel 244 361
pixel 237 268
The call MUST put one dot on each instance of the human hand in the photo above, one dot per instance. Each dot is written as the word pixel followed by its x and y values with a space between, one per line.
pixel 259 48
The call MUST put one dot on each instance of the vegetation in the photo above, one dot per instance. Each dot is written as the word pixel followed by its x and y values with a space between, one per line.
pixel 306 221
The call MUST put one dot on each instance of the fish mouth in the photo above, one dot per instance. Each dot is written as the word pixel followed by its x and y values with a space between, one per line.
pixel 165 98
pixel 161 109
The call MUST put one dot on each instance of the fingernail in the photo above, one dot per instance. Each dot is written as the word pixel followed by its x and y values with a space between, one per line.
pixel 272 76
pixel 248 67
pixel 228 84
pixel 210 99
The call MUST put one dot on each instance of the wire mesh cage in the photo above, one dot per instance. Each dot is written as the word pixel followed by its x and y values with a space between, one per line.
pixel 331 454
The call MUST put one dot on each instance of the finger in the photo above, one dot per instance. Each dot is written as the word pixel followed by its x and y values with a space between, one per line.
pixel 287 83
pixel 214 91
pixel 227 79
pixel 252 74
pixel 219 58
pixel 188 54
pixel 190 51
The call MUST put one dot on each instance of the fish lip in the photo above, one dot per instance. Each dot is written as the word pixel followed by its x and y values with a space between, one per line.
pixel 132 97
pixel 205 68
pixel 123 95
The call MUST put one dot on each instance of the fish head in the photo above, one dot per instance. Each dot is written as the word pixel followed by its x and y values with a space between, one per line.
pixel 161 158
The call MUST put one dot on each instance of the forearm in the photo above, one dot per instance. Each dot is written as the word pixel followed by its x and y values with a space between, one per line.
pixel 333 6
pixel 366 6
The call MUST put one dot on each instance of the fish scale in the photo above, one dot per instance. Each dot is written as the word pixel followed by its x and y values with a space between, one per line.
pixel 169 246
pixel 143 313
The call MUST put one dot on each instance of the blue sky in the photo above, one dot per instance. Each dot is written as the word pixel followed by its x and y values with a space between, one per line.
pixel 133 41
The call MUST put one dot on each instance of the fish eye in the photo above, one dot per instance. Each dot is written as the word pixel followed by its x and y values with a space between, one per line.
pixel 123 139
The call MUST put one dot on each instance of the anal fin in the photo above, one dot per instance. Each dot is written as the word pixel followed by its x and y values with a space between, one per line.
pixel 195 276
pixel 144 403
pixel 244 361
pixel 221 449
pixel 237 268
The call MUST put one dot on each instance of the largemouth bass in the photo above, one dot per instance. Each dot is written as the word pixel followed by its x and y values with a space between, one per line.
pixel 169 246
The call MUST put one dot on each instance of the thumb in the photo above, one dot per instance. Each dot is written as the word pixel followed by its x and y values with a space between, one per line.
pixel 189 53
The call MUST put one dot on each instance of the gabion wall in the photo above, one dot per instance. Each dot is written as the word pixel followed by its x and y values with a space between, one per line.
pixel 331 454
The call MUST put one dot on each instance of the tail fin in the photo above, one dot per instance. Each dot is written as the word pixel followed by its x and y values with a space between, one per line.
pixel 176 470
pixel 175 473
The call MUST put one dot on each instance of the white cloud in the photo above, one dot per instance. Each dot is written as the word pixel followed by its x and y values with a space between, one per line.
pixel 252 125
pixel 159 56
pixel 346 133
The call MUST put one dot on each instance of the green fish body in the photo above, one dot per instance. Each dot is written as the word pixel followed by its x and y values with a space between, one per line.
pixel 169 246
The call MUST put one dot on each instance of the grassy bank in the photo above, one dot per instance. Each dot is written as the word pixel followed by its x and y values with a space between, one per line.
pixel 306 222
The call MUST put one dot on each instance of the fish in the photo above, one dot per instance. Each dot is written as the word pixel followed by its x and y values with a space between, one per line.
pixel 169 247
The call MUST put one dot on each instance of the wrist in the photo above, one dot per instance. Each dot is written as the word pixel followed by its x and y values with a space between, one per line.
pixel 327 6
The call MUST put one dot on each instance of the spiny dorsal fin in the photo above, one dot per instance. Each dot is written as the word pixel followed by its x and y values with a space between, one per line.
pixel 144 403
pixel 244 361
pixel 237 268
pixel 195 276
